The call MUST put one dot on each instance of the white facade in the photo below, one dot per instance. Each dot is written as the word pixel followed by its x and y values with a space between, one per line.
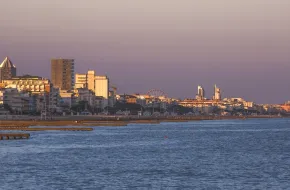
pixel 91 80
pixel 81 81
pixel 85 80
pixel 32 84
pixel 217 93
pixel 98 84
pixel 200 93
pixel 102 86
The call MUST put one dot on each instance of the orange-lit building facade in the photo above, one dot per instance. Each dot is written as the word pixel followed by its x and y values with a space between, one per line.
pixel 286 107
pixel 34 84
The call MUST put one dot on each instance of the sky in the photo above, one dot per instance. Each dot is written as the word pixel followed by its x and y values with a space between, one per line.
pixel 243 46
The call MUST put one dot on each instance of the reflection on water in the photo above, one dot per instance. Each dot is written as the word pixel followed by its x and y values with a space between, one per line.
pixel 226 154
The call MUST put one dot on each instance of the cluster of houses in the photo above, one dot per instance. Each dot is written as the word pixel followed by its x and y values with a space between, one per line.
pixel 223 107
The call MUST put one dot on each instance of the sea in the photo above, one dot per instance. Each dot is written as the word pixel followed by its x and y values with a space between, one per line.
pixel 220 154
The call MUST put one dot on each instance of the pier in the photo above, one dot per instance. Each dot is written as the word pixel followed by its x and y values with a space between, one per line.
pixel 13 136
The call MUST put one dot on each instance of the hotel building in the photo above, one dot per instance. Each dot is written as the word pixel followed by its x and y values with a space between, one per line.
pixel 98 84
pixel 34 84
pixel 62 73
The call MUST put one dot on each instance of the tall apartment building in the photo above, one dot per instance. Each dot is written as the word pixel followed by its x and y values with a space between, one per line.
pixel 7 70
pixel 98 84
pixel 200 93
pixel 62 73
pixel 102 86
pixel 217 93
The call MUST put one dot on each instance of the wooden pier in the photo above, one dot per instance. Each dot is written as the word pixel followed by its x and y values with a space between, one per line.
pixel 14 136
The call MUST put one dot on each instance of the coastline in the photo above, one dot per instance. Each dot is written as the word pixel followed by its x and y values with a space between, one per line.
pixel 95 121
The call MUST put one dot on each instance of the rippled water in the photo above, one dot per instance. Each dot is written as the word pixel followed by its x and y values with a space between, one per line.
pixel 227 154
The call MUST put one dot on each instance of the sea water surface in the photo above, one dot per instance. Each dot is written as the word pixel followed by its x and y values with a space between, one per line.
pixel 225 154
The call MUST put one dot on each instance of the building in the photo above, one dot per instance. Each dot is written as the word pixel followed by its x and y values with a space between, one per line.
pixel 112 98
pixel 286 106
pixel 130 99
pixel 66 99
pixel 217 93
pixel 200 93
pixel 102 89
pixel 80 81
pixel 42 103
pixel 86 95
pixel 7 70
pixel 98 84
pixel 62 73
pixel 12 98
pixel 19 102
pixel 54 99
pixel 196 103
pixel 33 84
pixel 91 80
pixel 2 94
pixel 102 86
pixel 100 103
pixel 40 90
pixel 85 80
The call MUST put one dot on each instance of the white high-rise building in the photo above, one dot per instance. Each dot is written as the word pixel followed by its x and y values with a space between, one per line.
pixel 98 84
pixel 200 93
pixel 102 86
pixel 217 93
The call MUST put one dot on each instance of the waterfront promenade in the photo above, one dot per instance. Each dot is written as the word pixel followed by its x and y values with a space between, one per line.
pixel 81 121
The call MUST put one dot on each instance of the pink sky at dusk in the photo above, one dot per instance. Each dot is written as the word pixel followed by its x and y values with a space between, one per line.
pixel 243 46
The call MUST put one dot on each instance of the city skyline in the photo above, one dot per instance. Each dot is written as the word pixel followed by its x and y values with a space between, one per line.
pixel 243 46
pixel 84 81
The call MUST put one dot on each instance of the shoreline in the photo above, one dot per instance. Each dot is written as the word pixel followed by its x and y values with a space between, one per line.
pixel 91 121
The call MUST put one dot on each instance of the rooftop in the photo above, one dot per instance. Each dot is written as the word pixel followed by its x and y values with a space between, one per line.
pixel 27 77
pixel 7 63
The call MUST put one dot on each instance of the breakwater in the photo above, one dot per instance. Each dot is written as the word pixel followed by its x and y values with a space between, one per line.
pixel 13 136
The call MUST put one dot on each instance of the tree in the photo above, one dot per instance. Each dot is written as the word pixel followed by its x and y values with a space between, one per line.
pixel 133 108
pixel 81 106
pixel 7 107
